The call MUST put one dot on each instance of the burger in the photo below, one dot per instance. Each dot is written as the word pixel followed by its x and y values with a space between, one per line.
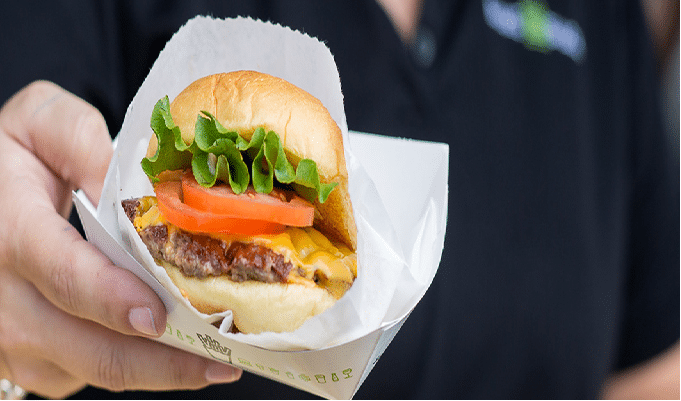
pixel 251 211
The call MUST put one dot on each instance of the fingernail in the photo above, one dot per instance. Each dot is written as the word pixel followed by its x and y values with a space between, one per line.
pixel 142 320
pixel 221 373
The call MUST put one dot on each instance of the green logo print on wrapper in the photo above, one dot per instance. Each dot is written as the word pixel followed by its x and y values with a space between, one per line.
pixel 531 23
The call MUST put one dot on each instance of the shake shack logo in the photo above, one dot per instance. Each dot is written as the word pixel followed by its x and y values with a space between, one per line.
pixel 215 349
pixel 531 23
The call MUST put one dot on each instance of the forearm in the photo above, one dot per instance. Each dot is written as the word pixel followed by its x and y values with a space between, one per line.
pixel 657 378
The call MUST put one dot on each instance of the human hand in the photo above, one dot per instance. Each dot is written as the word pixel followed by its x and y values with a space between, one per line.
pixel 68 317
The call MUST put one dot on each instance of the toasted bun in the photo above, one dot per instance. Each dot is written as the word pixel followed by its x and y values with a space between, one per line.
pixel 256 307
pixel 243 101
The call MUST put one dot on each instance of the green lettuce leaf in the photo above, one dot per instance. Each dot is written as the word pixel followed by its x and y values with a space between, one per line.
pixel 307 182
pixel 226 163
pixel 217 154
pixel 269 161
pixel 172 153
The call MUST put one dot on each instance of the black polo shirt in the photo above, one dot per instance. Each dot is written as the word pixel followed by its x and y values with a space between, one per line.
pixel 561 261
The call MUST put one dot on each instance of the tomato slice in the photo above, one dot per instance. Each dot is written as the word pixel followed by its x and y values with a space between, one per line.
pixel 169 196
pixel 280 207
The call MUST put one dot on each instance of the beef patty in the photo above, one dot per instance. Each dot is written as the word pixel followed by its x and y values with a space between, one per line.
pixel 199 255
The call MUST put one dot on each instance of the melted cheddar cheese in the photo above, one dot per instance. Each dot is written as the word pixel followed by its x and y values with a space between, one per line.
pixel 316 260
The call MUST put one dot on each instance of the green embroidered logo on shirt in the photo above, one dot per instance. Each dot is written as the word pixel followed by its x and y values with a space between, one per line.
pixel 531 23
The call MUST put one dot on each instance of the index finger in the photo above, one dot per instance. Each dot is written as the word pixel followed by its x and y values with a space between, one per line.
pixel 70 272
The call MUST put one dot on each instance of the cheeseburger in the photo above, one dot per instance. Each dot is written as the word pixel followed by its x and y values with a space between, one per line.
pixel 251 211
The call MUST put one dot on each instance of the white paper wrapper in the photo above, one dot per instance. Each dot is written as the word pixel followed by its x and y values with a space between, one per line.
pixel 400 237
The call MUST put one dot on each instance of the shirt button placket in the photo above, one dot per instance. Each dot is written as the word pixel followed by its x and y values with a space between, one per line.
pixel 424 48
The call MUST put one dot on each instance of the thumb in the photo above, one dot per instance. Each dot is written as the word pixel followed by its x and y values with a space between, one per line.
pixel 66 133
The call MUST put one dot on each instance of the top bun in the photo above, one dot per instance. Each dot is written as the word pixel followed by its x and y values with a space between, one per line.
pixel 243 101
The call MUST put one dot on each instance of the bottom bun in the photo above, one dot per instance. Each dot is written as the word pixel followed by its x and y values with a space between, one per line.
pixel 256 306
